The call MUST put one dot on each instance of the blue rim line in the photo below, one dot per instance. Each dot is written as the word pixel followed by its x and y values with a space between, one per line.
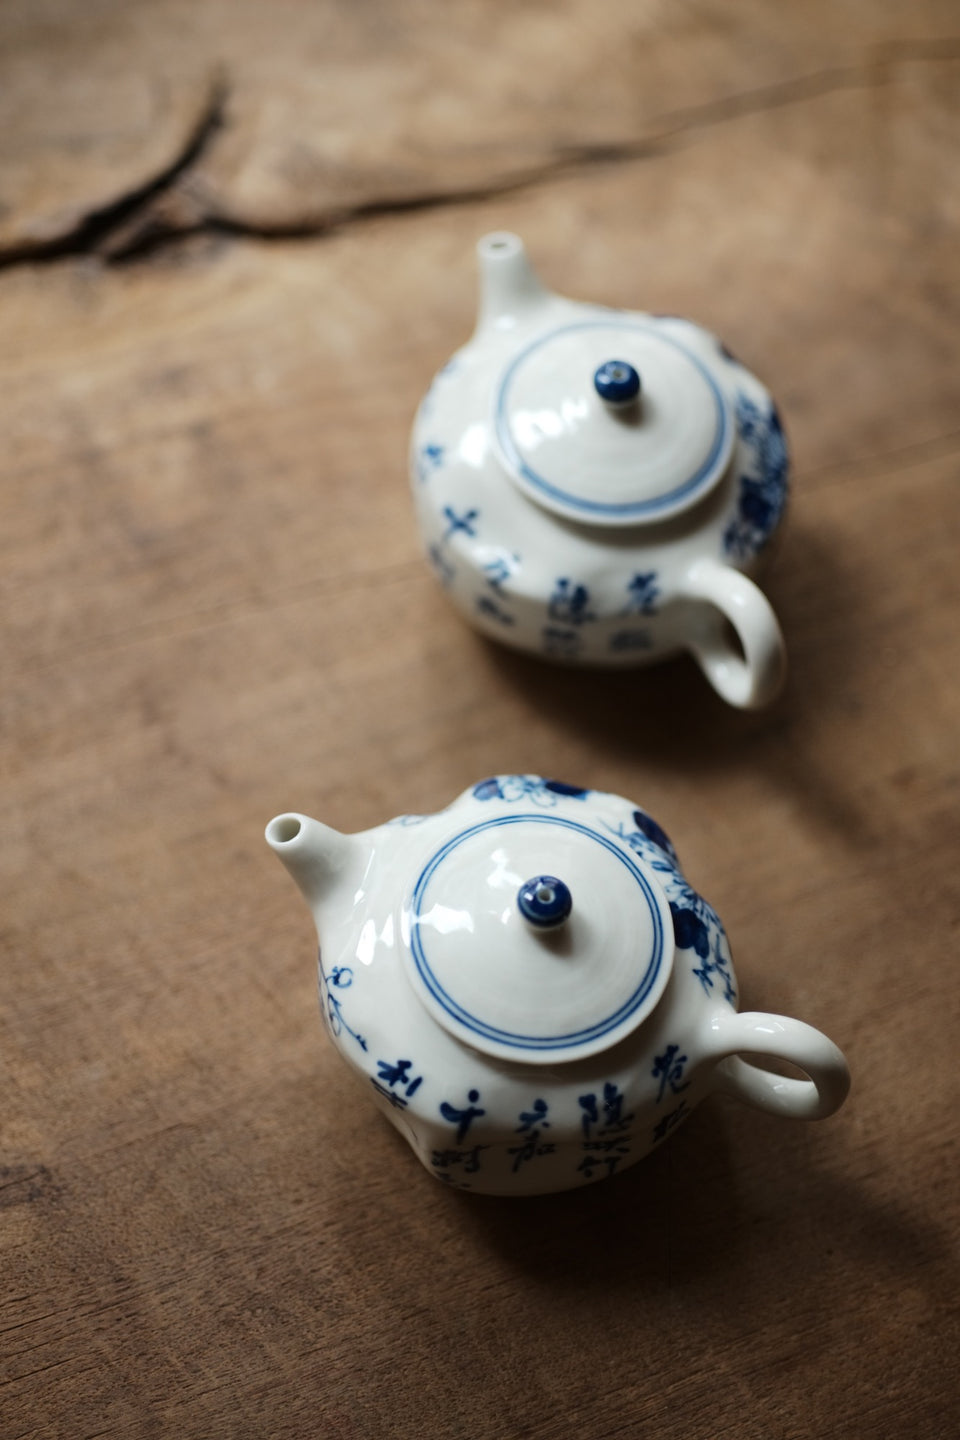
pixel 640 509
pixel 509 1037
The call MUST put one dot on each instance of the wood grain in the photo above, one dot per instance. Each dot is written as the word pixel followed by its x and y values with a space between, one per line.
pixel 214 608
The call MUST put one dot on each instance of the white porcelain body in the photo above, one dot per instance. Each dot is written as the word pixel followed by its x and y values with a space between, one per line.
pixel 598 594
pixel 482 1121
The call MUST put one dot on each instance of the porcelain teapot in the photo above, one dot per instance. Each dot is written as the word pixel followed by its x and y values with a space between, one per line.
pixel 530 990
pixel 596 485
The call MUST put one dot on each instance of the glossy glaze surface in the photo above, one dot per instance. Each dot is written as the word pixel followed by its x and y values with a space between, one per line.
pixel 568 517
pixel 516 1058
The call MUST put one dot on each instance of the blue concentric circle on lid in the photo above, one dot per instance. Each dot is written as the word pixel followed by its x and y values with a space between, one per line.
pixel 569 433
pixel 476 956
pixel 545 902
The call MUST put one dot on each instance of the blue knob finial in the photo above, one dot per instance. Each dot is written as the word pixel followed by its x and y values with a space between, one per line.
pixel 545 901
pixel 617 382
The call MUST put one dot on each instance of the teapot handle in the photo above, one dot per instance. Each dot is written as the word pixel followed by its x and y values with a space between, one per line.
pixel 781 1038
pixel 747 671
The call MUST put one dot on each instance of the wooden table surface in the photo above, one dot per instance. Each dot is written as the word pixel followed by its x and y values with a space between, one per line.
pixel 235 243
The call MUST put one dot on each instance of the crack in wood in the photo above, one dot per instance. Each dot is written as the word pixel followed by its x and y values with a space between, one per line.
pixel 133 227
pixel 94 228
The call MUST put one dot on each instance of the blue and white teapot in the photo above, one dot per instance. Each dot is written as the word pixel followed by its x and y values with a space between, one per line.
pixel 596 485
pixel 530 990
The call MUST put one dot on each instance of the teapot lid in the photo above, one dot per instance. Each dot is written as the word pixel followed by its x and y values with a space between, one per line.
pixel 612 421
pixel 537 938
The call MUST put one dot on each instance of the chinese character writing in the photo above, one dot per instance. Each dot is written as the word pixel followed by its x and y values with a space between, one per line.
pixel 606 1131
pixel 465 1162
pixel 672 1118
pixel 560 642
pixel 644 593
pixel 487 606
pixel 462 1118
pixel 668 1069
pixel 622 640
pixel 570 603
pixel 532 1124
pixel 499 569
pixel 394 1081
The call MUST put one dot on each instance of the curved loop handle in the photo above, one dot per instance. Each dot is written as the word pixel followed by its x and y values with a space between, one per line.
pixel 781 1038
pixel 752 676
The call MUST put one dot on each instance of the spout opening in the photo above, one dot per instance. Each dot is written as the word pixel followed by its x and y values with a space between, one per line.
pixel 499 245
pixel 283 829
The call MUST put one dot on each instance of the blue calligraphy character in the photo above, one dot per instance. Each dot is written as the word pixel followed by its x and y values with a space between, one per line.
pixel 644 593
pixel 397 1077
pixel 499 570
pixel 593 1162
pixel 668 1069
pixel 588 1104
pixel 606 1131
pixel 536 1116
pixel 570 603
pixel 557 641
pixel 466 1160
pixel 486 606
pixel 672 1118
pixel 462 1118
pixel 614 1119
pixel 532 1125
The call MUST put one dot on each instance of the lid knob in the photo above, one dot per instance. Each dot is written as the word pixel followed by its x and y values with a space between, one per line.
pixel 617 382
pixel 545 902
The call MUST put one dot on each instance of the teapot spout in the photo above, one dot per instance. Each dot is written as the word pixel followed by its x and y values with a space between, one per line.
pixel 314 854
pixel 508 283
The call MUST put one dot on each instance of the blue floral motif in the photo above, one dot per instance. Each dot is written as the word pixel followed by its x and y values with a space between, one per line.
pixel 643 592
pixel 762 494
pixel 429 459
pixel 648 826
pixel 340 978
pixel 696 925
pixel 527 787
pixel 570 603
pixel 561 787
pixel 464 522
pixel 650 841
